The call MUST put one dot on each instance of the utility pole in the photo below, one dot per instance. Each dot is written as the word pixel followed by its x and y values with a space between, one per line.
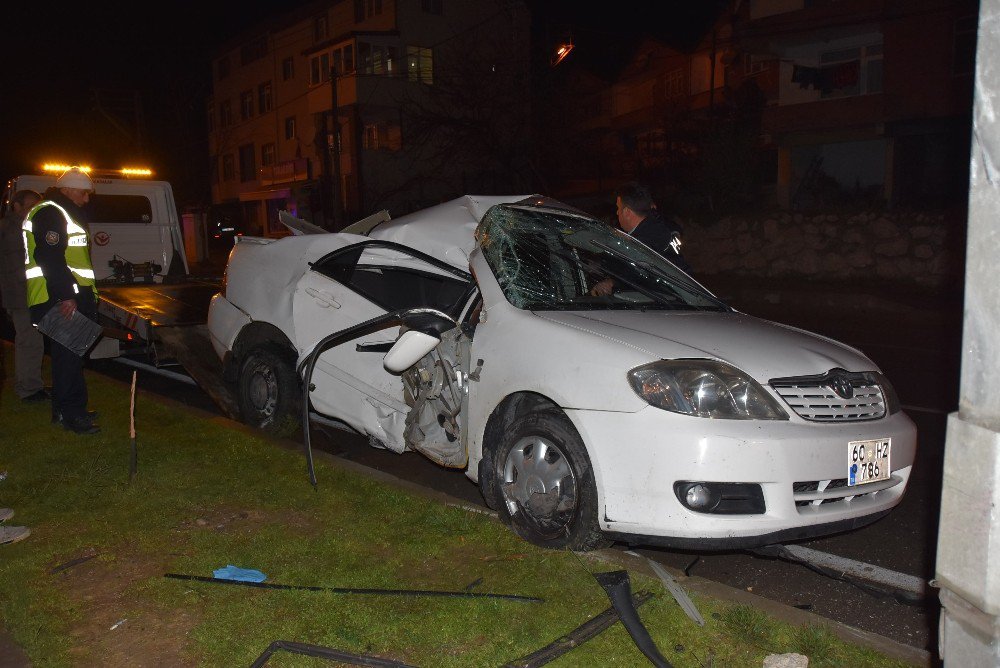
pixel 334 148
pixel 968 549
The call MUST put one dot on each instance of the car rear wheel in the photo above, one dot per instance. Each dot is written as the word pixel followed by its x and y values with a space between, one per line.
pixel 269 391
pixel 544 484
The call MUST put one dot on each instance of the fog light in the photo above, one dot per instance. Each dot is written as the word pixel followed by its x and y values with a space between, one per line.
pixel 698 496
pixel 721 498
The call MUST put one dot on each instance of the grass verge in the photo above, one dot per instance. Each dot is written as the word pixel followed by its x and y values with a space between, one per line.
pixel 87 587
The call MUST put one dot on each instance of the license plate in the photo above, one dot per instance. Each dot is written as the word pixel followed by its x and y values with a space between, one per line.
pixel 868 461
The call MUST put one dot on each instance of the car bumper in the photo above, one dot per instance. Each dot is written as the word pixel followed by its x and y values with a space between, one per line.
pixel 637 458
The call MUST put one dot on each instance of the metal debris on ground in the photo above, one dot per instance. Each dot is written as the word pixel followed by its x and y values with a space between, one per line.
pixel 359 590
pixel 326 653
pixel 675 589
pixel 581 634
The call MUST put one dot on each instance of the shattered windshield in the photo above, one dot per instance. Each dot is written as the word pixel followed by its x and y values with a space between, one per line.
pixel 546 260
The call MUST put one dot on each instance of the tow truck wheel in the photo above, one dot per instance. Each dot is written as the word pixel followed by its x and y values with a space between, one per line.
pixel 269 391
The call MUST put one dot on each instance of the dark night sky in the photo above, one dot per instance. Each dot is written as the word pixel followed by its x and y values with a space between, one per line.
pixel 57 54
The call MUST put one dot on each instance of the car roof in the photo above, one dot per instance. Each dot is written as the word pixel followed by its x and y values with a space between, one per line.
pixel 445 231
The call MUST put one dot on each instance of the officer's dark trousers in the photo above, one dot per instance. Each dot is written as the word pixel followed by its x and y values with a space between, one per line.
pixel 69 390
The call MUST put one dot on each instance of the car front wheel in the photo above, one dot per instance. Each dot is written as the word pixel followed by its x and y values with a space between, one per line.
pixel 268 391
pixel 545 484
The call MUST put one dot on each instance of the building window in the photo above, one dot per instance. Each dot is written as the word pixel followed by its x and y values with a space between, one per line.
pixel 248 163
pixel 265 101
pixel 376 59
pixel 754 64
pixel 228 167
pixel 213 169
pixel 225 114
pixel 319 69
pixel 267 154
pixel 223 68
pixel 673 83
pixel 253 50
pixel 369 137
pixel 246 105
pixel 432 6
pixel 381 137
pixel 288 69
pixel 321 28
pixel 964 56
pixel 365 9
pixel 848 72
pixel 211 118
pixel 290 127
pixel 420 64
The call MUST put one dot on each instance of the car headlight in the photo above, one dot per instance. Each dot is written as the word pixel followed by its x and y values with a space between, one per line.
pixel 704 388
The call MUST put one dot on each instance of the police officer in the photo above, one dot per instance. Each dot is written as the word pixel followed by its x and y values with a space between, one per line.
pixel 639 218
pixel 60 276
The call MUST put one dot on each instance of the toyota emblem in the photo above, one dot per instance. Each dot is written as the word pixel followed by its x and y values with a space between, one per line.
pixel 842 387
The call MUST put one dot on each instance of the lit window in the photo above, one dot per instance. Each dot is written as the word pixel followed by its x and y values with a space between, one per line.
pixel 420 64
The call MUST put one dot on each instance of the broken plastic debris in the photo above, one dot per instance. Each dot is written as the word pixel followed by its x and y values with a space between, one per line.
pixel 231 572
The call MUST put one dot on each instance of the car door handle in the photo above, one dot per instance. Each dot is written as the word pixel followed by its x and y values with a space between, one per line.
pixel 324 298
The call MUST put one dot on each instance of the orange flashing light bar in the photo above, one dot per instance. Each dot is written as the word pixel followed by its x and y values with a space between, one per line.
pixel 125 172
pixel 56 167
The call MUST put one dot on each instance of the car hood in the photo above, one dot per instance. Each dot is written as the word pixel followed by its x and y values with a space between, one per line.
pixel 761 348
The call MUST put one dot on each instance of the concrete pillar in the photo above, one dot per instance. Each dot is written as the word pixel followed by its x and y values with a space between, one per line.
pixel 968 555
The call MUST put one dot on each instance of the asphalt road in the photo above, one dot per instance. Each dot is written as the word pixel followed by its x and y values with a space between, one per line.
pixel 917 346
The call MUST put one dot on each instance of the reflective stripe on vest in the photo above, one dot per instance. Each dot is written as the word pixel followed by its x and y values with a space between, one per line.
pixel 77 256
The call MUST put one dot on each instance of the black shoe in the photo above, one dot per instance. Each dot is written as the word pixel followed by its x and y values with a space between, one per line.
pixel 57 418
pixel 81 426
pixel 36 398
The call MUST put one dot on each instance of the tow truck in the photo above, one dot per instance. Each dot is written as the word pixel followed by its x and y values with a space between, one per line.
pixel 154 311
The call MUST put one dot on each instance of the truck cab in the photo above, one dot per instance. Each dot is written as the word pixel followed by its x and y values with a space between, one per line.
pixel 134 228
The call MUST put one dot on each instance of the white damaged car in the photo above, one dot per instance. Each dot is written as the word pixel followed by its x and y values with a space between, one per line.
pixel 656 414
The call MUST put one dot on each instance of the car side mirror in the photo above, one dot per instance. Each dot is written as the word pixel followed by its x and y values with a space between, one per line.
pixel 409 349
pixel 424 328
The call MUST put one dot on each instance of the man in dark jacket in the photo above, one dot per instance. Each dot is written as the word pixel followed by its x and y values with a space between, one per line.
pixel 28 345
pixel 60 276
pixel 638 217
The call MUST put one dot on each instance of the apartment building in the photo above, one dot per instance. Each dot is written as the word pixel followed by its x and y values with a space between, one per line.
pixel 826 101
pixel 341 108
pixel 867 98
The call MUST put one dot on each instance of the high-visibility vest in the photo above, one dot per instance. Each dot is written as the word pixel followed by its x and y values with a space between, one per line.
pixel 77 256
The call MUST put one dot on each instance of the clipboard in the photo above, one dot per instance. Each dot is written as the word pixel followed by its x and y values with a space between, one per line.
pixel 78 333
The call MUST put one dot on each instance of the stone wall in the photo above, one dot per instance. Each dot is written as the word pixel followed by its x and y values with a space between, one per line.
pixel 919 248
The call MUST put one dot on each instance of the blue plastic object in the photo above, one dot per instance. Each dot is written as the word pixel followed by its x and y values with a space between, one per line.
pixel 231 572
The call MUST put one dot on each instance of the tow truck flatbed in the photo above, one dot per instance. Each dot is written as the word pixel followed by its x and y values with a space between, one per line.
pixel 143 307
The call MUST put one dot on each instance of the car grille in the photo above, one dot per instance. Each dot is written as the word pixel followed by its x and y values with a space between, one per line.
pixel 822 492
pixel 837 396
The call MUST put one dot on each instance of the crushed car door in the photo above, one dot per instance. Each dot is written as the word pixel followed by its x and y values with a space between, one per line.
pixel 352 285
